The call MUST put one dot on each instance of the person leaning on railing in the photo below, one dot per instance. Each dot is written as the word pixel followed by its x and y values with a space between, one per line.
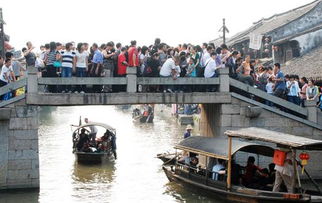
pixel 170 69
pixel 244 72
pixel 6 76
pixel 312 91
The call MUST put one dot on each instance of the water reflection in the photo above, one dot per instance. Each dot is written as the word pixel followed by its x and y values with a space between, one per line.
pixel 93 173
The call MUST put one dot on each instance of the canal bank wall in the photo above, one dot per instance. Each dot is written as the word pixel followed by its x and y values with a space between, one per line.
pixel 19 159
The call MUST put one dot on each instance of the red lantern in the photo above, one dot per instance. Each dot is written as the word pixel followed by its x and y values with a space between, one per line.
pixel 304 159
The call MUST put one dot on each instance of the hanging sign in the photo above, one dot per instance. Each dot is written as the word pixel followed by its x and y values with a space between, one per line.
pixel 255 41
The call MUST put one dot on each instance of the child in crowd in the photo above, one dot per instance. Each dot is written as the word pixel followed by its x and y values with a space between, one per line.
pixel 191 72
pixel 269 89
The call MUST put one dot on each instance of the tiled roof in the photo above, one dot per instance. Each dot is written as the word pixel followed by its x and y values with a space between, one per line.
pixel 308 65
pixel 268 24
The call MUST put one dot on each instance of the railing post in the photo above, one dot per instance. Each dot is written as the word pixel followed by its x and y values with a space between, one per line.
pixel 223 79
pixel 32 80
pixel 312 110
pixel 131 79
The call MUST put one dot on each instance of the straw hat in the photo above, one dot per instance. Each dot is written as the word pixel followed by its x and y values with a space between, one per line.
pixel 189 127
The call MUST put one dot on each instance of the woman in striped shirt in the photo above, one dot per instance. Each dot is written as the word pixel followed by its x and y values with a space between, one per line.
pixel 51 71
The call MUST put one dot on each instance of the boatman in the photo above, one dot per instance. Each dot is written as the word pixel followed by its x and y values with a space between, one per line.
pixel 284 174
pixel 188 131
pixel 92 134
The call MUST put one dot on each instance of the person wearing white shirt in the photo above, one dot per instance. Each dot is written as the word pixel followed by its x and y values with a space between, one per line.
pixel 205 56
pixel 203 61
pixel 284 174
pixel 294 91
pixel 7 73
pixel 6 76
pixel 210 69
pixel 170 68
pixel 93 129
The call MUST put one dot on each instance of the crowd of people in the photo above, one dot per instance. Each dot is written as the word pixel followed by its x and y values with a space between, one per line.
pixel 158 60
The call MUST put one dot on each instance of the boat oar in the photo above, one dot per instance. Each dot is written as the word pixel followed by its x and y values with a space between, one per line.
pixel 311 179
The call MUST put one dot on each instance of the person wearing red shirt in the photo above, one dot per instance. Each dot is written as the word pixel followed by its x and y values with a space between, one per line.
pixel 251 171
pixel 133 55
pixel 121 63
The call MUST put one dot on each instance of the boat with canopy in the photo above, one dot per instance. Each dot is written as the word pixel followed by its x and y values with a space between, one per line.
pixel 93 150
pixel 199 154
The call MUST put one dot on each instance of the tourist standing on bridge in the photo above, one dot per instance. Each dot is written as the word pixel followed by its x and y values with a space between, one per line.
pixel 81 65
pixel 304 85
pixel 205 57
pixel 195 55
pixel 51 71
pixel 7 75
pixel 211 66
pixel 16 66
pixel 121 69
pixel 162 53
pixel 312 91
pixel 225 54
pixel 133 56
pixel 293 90
pixel 122 63
pixel 96 69
pixel 143 58
pixel 116 57
pixel 279 88
pixel 68 65
pixel 244 72
pixel 30 56
pixel 170 69
pixel 232 65
pixel 108 64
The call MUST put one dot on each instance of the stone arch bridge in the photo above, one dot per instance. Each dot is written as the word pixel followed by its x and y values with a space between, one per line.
pixel 233 105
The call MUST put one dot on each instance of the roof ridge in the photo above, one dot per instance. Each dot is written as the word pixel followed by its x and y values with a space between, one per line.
pixel 285 12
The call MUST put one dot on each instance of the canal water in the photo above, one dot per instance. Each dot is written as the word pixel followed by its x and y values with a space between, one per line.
pixel 136 176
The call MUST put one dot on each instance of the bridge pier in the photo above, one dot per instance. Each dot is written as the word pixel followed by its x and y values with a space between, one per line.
pixel 19 159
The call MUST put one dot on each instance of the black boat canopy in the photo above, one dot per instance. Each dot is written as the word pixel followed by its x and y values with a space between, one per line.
pixel 217 147
pixel 278 138
pixel 104 125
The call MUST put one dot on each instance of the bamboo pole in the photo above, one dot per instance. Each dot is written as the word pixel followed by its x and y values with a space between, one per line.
pixel 296 173
pixel 229 163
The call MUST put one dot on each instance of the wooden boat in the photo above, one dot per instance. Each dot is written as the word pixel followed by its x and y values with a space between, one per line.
pixel 95 152
pixel 259 141
pixel 146 117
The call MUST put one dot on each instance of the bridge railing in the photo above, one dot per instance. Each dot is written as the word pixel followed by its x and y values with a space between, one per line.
pixel 288 106
pixel 11 88
pixel 131 81
pixel 309 112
